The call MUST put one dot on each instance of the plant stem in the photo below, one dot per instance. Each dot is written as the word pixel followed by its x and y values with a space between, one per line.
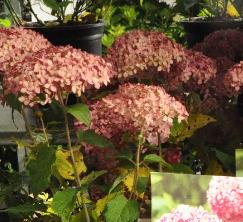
pixel 34 14
pixel 69 143
pixel 44 129
pixel 27 125
pixel 136 172
pixel 12 12
pixel 160 153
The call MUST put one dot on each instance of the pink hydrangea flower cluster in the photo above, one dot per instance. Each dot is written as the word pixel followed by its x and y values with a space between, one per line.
pixel 145 52
pixel 139 50
pixel 54 70
pixel 172 155
pixel 185 213
pixel 226 47
pixel 233 80
pixel 195 70
pixel 137 107
pixel 225 195
pixel 16 43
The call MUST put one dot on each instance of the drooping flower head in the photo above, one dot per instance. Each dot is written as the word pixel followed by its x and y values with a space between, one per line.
pixel 16 43
pixel 54 70
pixel 225 196
pixel 137 108
pixel 185 213
pixel 233 80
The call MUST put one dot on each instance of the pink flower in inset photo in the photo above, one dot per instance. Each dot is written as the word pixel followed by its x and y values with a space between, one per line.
pixel 186 213
pixel 225 196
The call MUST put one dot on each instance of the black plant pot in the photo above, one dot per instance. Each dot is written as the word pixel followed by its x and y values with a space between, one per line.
pixel 83 36
pixel 4 217
pixel 198 28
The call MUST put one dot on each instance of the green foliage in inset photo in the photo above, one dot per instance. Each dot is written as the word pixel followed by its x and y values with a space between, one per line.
pixel 239 162
pixel 170 190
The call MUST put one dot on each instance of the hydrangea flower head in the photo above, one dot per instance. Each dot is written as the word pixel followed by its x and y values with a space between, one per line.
pixel 195 70
pixel 185 213
pixel 233 80
pixel 140 53
pixel 225 196
pixel 139 50
pixel 16 43
pixel 54 70
pixel 137 107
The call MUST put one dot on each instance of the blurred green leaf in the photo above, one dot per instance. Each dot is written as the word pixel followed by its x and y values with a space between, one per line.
pixel 26 208
pixel 92 138
pixel 80 112
pixel 153 158
pixel 53 4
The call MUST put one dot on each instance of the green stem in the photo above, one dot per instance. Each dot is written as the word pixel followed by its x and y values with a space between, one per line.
pixel 34 14
pixel 160 153
pixel 69 143
pixel 27 125
pixel 44 129
pixel 12 12
pixel 136 172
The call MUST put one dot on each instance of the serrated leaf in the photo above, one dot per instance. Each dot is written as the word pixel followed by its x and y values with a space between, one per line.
pixel 185 129
pixel 80 112
pixel 40 168
pixel 120 209
pixel 63 164
pixel 92 138
pixel 153 158
pixel 101 204
pixel 63 203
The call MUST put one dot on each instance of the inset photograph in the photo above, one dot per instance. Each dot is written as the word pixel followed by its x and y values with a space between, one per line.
pixel 239 162
pixel 191 198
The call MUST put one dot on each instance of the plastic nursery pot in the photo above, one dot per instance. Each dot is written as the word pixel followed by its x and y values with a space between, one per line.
pixel 82 36
pixel 198 28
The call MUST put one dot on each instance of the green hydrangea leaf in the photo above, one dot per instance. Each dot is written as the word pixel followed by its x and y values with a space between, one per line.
pixel 120 209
